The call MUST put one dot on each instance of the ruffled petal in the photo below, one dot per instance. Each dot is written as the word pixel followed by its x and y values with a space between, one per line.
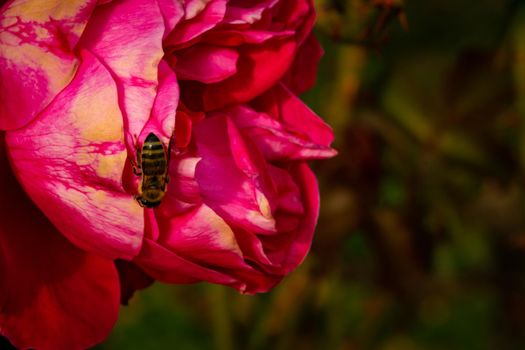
pixel 199 17
pixel 200 246
pixel 53 296
pixel 266 35
pixel 285 129
pixel 306 128
pixel 232 176
pixel 288 249
pixel 247 12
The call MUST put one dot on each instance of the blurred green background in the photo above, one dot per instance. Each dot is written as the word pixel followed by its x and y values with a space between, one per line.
pixel 421 239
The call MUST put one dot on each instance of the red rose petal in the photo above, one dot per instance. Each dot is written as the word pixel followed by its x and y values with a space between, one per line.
pixel 52 295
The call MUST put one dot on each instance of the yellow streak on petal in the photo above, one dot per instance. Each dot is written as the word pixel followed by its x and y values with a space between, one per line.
pixel 72 197
pixel 147 70
pixel 195 8
pixel 42 33
pixel 111 166
pixel 7 22
pixel 255 217
pixel 42 10
pixel 99 197
pixel 84 159
pixel 226 237
pixel 125 210
pixel 264 205
pixel 97 120
pixel 57 72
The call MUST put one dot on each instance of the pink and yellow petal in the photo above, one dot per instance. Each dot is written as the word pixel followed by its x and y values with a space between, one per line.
pixel 127 38
pixel 36 54
pixel 200 246
pixel 200 235
pixel 162 117
pixel 70 161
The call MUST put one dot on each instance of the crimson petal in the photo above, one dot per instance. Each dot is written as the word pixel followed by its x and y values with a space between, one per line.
pixel 52 294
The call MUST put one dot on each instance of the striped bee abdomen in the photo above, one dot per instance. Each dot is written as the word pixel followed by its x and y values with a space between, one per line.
pixel 153 161
pixel 153 156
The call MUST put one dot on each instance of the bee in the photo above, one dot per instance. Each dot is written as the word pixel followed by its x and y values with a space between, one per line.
pixel 152 165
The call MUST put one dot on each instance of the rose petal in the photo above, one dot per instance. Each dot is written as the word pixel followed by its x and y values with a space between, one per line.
pixel 172 11
pixel 247 12
pixel 208 259
pixel 205 63
pixel 258 68
pixel 131 278
pixel 167 266
pixel 162 118
pixel 127 37
pixel 287 129
pixel 257 21
pixel 290 198
pixel 296 117
pixel 303 72
pixel 199 17
pixel 232 176
pixel 236 37
pixel 299 15
pixel 36 54
pixel 183 191
pixel 201 236
pixel 184 126
pixel 71 159
pixel 299 240
pixel 52 295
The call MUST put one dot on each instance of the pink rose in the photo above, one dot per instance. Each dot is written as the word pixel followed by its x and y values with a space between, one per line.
pixel 82 83
pixel 242 205
pixel 253 45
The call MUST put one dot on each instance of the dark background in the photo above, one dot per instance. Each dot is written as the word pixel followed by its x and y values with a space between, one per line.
pixel 421 240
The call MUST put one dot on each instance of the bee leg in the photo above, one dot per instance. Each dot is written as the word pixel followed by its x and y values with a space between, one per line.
pixel 136 167
pixel 139 200
pixel 136 170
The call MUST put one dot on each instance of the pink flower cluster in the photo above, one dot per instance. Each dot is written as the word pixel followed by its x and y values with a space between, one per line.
pixel 82 83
